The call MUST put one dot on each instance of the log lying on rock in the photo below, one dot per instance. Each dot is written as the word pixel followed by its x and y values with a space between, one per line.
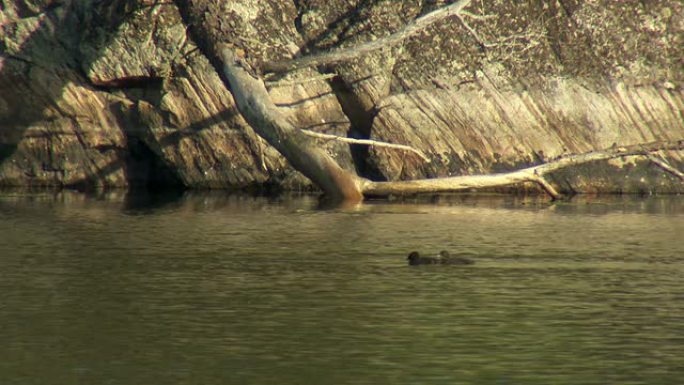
pixel 298 148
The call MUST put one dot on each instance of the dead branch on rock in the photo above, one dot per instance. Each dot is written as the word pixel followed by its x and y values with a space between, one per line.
pixel 531 174
pixel 349 53
pixel 546 186
pixel 483 45
pixel 255 105
pixel 663 164
pixel 367 142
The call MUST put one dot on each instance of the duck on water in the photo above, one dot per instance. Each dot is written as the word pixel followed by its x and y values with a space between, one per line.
pixel 443 258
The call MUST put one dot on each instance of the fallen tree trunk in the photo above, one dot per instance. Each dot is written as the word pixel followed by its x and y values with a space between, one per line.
pixel 531 174
pixel 296 146
pixel 255 105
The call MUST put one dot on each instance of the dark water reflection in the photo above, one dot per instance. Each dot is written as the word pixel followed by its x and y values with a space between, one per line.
pixel 216 289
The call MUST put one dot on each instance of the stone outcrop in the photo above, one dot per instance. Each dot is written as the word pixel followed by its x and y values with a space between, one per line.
pixel 125 93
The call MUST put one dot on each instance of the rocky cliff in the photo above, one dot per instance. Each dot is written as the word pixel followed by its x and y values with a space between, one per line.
pixel 125 93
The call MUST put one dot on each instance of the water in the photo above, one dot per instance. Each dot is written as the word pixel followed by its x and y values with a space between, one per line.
pixel 218 289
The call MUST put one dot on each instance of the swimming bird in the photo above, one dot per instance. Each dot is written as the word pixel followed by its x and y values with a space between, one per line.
pixel 443 258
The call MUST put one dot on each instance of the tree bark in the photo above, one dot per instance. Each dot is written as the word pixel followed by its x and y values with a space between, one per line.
pixel 255 105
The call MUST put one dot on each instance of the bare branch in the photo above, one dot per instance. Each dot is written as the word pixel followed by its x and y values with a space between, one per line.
pixel 467 182
pixel 367 142
pixel 484 45
pixel 283 83
pixel 662 163
pixel 555 195
pixel 343 54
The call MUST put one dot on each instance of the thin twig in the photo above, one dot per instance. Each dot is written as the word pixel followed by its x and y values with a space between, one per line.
pixel 366 142
pixel 484 45
pixel 288 83
pixel 663 164
pixel 348 53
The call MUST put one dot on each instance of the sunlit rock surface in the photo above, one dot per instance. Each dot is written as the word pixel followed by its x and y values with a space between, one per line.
pixel 125 93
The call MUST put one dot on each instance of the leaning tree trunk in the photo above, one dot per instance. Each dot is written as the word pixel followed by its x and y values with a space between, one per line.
pixel 298 147
pixel 255 105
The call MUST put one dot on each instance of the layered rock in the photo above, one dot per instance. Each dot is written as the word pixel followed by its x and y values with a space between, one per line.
pixel 125 93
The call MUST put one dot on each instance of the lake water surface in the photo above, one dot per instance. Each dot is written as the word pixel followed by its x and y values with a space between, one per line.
pixel 221 289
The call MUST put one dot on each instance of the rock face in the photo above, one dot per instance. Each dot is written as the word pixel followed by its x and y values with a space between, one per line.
pixel 125 93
